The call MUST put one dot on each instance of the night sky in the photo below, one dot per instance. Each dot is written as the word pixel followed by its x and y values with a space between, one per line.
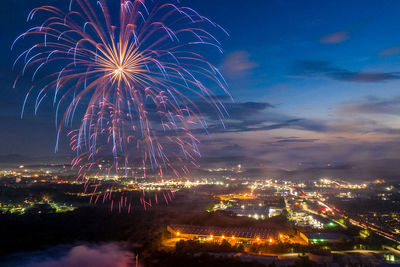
pixel 314 82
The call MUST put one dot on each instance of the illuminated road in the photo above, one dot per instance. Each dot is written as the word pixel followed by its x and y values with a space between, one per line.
pixel 358 223
pixel 361 224
pixel 367 226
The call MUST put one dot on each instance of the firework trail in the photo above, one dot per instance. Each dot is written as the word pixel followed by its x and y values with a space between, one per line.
pixel 129 78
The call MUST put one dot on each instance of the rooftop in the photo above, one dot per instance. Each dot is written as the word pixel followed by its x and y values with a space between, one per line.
pixel 239 232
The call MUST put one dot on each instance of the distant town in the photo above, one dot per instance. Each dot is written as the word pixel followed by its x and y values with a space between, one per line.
pixel 266 220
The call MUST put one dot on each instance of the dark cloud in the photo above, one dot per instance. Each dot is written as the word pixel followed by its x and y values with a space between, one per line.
pixel 233 147
pixel 239 116
pixel 300 124
pixel 297 140
pixel 255 116
pixel 267 123
pixel 372 105
pixel 325 69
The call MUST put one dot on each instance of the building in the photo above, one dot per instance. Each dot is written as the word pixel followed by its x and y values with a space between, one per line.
pixel 313 238
pixel 231 234
pixel 255 212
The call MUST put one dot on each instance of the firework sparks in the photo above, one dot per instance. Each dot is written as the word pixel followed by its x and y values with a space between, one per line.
pixel 130 78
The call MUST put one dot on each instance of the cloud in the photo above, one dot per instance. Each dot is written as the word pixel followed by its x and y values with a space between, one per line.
pixel 362 130
pixel 300 124
pixel 325 69
pixel 236 110
pixel 269 123
pixel 373 116
pixel 336 37
pixel 365 169
pixel 390 51
pixel 106 255
pixel 233 147
pixel 372 105
pixel 255 116
pixel 296 140
pixel 237 65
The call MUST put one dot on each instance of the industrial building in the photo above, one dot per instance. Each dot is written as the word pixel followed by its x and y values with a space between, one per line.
pixel 231 234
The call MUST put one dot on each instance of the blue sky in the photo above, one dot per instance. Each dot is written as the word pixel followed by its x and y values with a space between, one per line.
pixel 313 81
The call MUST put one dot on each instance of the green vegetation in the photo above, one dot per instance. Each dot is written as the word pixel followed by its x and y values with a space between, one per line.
pixel 28 207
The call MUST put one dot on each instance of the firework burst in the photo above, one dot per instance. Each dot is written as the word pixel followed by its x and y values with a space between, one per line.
pixel 130 78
